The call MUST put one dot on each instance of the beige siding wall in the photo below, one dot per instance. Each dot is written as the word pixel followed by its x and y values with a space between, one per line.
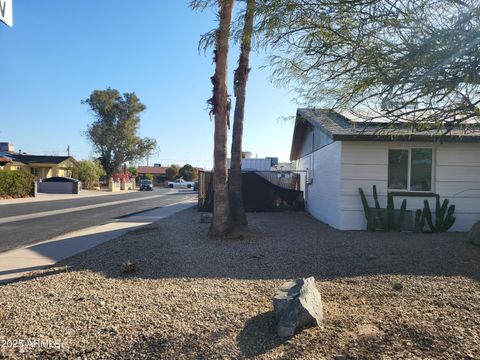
pixel 323 194
pixel 456 177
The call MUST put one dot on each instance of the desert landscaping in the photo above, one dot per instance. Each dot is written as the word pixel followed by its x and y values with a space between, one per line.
pixel 385 295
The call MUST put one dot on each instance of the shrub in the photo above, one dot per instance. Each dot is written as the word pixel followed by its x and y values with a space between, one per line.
pixel 149 177
pixel 88 172
pixel 16 183
pixel 122 176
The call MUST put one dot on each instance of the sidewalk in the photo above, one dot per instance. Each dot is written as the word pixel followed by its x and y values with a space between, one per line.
pixel 22 262
pixel 50 197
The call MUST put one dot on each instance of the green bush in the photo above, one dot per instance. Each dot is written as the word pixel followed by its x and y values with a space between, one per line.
pixel 149 177
pixel 16 183
pixel 88 172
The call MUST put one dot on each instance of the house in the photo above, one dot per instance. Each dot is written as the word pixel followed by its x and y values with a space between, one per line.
pixel 42 166
pixel 159 172
pixel 338 153
pixel 256 164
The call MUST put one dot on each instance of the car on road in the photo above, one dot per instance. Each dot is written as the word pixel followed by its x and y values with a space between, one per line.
pixel 180 183
pixel 146 185
pixel 195 186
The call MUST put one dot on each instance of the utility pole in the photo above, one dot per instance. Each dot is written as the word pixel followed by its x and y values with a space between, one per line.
pixel 68 150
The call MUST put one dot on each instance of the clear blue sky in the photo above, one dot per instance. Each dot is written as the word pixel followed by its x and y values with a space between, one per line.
pixel 59 51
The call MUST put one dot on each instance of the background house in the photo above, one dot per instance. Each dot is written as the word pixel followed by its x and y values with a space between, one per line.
pixel 339 154
pixel 259 164
pixel 41 166
pixel 159 172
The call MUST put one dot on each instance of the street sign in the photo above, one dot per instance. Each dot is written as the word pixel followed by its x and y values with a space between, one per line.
pixel 6 12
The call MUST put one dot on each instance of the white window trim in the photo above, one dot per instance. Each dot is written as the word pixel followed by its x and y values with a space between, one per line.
pixel 409 169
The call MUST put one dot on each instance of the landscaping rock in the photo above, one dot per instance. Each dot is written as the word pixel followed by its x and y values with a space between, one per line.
pixel 298 303
pixel 474 234
pixel 129 267
pixel 397 286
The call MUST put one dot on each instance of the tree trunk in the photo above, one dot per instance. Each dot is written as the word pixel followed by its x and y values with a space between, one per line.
pixel 221 222
pixel 240 88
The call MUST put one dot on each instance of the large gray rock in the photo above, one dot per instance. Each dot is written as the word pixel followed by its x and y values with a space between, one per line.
pixel 474 234
pixel 298 303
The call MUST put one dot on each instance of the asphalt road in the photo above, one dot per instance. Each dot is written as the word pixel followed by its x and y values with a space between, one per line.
pixel 29 223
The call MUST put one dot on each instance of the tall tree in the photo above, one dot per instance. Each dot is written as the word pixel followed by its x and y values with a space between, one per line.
pixel 413 60
pixel 240 89
pixel 188 172
pixel 172 171
pixel 113 134
pixel 220 109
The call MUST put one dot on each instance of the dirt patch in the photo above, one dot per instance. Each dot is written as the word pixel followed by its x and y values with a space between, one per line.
pixel 195 298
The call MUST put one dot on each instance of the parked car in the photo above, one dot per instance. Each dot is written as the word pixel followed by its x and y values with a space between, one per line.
pixel 180 183
pixel 195 186
pixel 146 185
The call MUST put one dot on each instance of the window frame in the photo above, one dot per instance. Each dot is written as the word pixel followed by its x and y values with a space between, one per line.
pixel 409 169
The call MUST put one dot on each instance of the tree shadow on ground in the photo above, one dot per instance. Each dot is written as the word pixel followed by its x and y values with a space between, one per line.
pixel 278 246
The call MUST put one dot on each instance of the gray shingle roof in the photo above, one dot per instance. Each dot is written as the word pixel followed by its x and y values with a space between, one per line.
pixel 38 159
pixel 338 127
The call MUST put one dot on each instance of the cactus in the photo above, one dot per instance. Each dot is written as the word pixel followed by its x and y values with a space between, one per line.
pixel 377 207
pixel 371 223
pixel 388 224
pixel 419 220
pixel 444 218
pixel 390 213
pixel 401 216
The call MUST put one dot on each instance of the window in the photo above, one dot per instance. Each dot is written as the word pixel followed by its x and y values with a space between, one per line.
pixel 410 169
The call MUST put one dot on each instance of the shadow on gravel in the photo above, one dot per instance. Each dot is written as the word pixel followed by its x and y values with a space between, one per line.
pixel 259 335
pixel 279 246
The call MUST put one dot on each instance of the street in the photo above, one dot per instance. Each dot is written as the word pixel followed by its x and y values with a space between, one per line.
pixel 28 223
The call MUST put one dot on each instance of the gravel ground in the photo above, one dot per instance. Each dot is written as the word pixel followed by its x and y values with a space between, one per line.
pixel 194 298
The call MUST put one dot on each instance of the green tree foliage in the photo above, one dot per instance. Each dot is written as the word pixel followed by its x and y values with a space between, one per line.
pixel 88 172
pixel 188 172
pixel 149 177
pixel 414 60
pixel 133 170
pixel 172 172
pixel 114 131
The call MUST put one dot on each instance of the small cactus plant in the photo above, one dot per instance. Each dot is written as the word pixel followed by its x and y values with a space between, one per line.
pixel 419 220
pixel 389 224
pixel 371 222
pixel 444 218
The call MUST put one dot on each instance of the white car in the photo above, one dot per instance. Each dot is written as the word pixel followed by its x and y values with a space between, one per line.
pixel 180 183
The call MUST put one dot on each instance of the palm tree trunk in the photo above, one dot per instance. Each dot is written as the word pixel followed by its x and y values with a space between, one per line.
pixel 221 222
pixel 240 88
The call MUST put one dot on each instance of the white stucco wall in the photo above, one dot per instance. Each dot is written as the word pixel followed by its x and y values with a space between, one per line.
pixel 456 168
pixel 323 194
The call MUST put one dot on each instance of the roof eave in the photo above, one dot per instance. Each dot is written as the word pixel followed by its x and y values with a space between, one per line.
pixel 393 137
